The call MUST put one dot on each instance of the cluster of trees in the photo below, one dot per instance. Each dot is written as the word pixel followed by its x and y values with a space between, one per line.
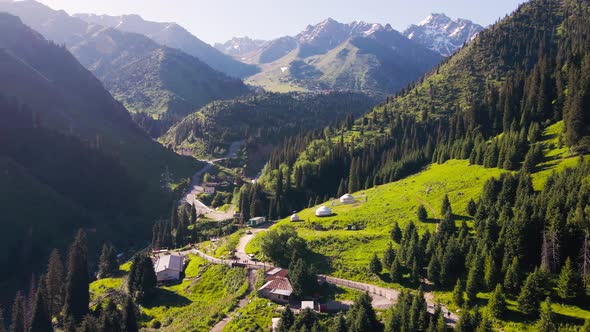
pixel 525 244
pixel 285 248
pixel 52 303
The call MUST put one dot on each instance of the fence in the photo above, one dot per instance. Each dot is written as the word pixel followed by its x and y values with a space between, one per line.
pixel 389 294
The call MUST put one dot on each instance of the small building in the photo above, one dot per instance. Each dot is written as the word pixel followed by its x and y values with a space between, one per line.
pixel 347 199
pixel 209 189
pixel 253 222
pixel 168 267
pixel 307 305
pixel 277 289
pixel 295 217
pixel 323 211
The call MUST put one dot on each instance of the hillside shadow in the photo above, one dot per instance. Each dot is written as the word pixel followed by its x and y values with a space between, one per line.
pixel 164 297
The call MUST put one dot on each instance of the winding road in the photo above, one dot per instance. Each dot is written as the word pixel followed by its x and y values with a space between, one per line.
pixel 196 188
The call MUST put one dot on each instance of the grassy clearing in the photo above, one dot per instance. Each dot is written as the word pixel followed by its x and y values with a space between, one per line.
pixel 351 251
pixel 255 316
pixel 224 246
pixel 191 305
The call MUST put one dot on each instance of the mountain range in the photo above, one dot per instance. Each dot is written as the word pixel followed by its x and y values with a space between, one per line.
pixel 442 34
pixel 330 55
pixel 146 77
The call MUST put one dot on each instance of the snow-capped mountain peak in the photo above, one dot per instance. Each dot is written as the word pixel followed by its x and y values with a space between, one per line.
pixel 442 34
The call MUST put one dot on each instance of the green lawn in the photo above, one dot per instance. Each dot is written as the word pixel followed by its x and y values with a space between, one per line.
pixel 255 316
pixel 192 305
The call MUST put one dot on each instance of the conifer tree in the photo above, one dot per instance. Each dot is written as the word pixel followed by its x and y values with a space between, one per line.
pixel 458 294
pixel 485 325
pixel 77 282
pixel 388 256
pixel 490 272
pixel 108 265
pixel 110 318
pixel 434 269
pixel 395 271
pixel 129 316
pixel 569 285
pixel 375 265
pixel 54 281
pixel 142 279
pixel 531 294
pixel 396 233
pixel 362 317
pixel 89 324
pixel 546 322
pixel 474 281
pixel 422 213
pixel 338 325
pixel 446 206
pixel 18 314
pixel 512 278
pixel 40 319
pixel 497 303
pixel 287 320
pixel 471 208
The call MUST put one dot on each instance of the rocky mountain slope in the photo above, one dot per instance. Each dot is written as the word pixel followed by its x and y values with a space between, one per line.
pixel 442 34
pixel 175 36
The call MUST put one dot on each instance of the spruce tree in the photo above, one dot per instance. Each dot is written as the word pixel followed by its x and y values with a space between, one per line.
pixel 490 272
pixel 108 265
pixel 458 298
pixel 446 206
pixel 287 320
pixel 396 233
pixel 512 277
pixel 40 319
pixel 546 322
pixel 89 324
pixel 474 281
pixel 569 285
pixel 142 279
pixel 485 325
pixel 434 269
pixel 129 316
pixel 396 271
pixel 54 282
pixel 497 303
pixel 531 294
pixel 338 325
pixel 110 318
pixel 77 282
pixel 18 314
pixel 388 256
pixel 375 265
pixel 422 213
pixel 362 316
pixel 471 208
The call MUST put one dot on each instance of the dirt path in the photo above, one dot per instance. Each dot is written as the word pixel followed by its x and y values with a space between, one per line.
pixel 241 303
pixel 423 202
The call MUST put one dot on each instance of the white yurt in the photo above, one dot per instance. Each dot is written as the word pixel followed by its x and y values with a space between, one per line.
pixel 323 211
pixel 295 217
pixel 347 199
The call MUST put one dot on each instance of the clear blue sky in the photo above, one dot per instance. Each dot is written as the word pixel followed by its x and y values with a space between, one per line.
pixel 219 20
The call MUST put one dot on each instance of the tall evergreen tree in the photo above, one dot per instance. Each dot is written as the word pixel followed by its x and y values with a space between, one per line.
pixel 18 314
pixel 362 317
pixel 375 265
pixel 54 281
pixel 395 271
pixel 339 324
pixel 458 298
pixel 422 214
pixel 396 233
pixel 110 318
pixel 512 278
pixel 142 279
pixel 531 294
pixel 40 319
pixel 546 322
pixel 77 294
pixel 497 303
pixel 569 284
pixel 129 316
pixel 107 264
pixel 287 320
pixel 388 256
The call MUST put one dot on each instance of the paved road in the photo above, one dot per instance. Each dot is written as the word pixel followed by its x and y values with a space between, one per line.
pixel 196 188
pixel 244 240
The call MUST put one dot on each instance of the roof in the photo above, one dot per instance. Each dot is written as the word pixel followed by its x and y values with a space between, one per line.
pixel 169 262
pixel 295 217
pixel 278 285
pixel 276 272
pixel 307 304
pixel 323 211
pixel 347 196
pixel 257 218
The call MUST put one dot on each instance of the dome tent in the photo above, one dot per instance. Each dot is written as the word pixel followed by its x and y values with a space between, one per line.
pixel 323 211
pixel 295 217
pixel 347 199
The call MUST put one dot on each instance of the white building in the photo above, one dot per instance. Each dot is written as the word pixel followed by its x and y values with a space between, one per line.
pixel 323 211
pixel 168 267
pixel 295 217
pixel 347 199
pixel 209 190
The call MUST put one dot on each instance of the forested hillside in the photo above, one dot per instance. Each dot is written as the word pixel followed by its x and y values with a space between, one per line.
pixel 262 120
pixel 525 72
pixel 71 157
